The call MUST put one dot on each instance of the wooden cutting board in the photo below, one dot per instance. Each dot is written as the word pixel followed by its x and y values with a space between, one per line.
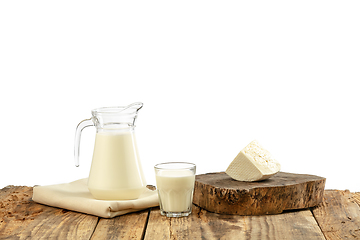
pixel 219 193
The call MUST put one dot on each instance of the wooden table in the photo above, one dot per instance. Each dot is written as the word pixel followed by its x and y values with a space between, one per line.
pixel 338 217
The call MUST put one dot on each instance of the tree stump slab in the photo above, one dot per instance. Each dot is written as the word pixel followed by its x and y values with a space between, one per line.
pixel 219 193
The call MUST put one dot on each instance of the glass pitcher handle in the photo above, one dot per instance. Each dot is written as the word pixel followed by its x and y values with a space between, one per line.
pixel 83 124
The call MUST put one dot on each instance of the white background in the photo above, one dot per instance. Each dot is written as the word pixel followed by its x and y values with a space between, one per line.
pixel 213 76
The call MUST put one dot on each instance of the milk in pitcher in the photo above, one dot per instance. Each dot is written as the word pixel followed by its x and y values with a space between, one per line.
pixel 115 167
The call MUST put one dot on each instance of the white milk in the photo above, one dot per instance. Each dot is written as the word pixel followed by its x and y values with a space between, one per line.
pixel 175 188
pixel 115 172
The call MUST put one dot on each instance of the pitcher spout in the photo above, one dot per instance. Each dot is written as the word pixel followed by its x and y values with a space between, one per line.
pixel 132 107
pixel 116 117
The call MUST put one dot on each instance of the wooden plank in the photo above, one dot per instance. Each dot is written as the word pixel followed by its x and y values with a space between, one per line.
pixel 298 224
pixel 129 226
pixel 219 193
pixel 7 191
pixel 202 224
pixel 356 197
pixel 22 218
pixel 338 216
pixel 158 227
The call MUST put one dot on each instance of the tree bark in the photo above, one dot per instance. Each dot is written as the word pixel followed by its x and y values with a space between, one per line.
pixel 219 193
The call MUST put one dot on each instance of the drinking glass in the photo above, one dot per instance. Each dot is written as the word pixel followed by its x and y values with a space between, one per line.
pixel 175 186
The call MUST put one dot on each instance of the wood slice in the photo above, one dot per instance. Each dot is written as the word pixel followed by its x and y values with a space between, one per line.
pixel 219 193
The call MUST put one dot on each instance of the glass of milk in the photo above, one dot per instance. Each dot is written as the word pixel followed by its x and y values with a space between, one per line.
pixel 175 186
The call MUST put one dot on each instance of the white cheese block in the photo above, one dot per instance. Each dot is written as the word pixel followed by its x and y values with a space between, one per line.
pixel 253 163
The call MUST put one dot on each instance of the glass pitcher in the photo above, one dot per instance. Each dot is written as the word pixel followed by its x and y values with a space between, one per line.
pixel 116 172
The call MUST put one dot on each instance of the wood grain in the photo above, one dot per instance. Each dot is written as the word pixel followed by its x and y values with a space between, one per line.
pixel 21 218
pixel 202 224
pixel 339 215
pixel 129 226
pixel 219 193
pixel 158 226
pixel 356 197
pixel 299 224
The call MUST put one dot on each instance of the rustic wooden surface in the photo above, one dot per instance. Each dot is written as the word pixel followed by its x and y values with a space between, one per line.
pixel 337 217
pixel 219 193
